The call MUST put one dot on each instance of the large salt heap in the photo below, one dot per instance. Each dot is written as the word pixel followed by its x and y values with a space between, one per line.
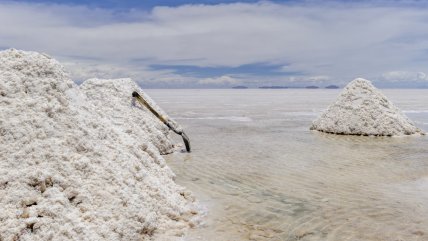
pixel 361 109
pixel 69 171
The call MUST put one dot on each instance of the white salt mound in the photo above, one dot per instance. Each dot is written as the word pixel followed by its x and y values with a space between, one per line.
pixel 361 109
pixel 82 163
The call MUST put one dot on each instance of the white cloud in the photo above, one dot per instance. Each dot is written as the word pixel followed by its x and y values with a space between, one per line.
pixel 397 76
pixel 222 80
pixel 333 40
pixel 319 79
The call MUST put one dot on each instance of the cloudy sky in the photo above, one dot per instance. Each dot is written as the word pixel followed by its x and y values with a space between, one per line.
pixel 222 43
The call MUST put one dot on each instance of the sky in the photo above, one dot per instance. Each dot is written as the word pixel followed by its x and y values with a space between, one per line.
pixel 224 43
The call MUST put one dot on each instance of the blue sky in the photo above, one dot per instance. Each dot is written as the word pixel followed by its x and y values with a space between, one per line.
pixel 216 44
pixel 255 69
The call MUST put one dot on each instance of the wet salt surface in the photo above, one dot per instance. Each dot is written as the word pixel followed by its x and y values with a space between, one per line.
pixel 272 179
pixel 231 118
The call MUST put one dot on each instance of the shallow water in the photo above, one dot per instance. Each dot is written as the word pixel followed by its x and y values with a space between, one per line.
pixel 264 176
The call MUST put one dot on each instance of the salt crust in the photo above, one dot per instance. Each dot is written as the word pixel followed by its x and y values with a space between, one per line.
pixel 361 109
pixel 82 163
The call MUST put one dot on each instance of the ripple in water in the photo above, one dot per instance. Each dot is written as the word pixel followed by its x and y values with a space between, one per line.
pixel 272 179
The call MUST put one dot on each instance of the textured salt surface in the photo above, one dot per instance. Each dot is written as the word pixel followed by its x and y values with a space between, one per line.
pixel 112 98
pixel 82 163
pixel 361 109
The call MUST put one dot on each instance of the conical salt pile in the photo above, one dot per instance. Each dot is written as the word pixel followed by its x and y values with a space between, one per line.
pixel 361 109
pixel 71 170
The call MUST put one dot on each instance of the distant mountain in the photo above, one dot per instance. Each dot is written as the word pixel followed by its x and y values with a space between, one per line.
pixel 332 87
pixel 312 87
pixel 273 87
pixel 240 87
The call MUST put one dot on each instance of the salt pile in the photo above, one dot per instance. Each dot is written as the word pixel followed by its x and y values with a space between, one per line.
pixel 82 163
pixel 361 109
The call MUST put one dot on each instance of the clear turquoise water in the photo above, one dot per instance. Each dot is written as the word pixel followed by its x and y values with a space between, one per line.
pixel 264 176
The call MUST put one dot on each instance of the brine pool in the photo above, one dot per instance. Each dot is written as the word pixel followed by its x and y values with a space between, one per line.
pixel 263 175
